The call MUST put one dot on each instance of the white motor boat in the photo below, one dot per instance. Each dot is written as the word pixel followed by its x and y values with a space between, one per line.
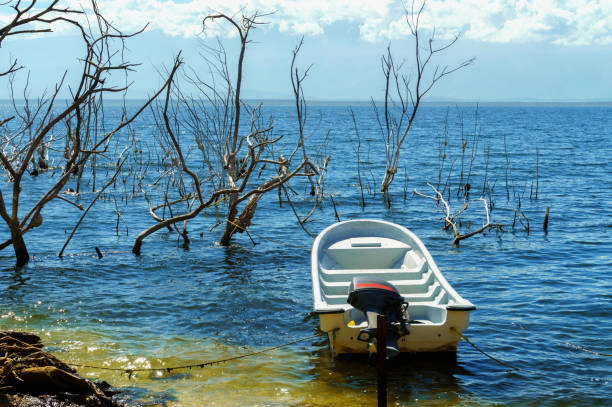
pixel 362 268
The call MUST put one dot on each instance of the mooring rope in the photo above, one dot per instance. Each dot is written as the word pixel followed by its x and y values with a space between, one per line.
pixel 203 364
pixel 501 362
pixel 131 371
pixel 570 345
pixel 580 347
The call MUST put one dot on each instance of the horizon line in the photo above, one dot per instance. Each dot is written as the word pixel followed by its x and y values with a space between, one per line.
pixel 433 101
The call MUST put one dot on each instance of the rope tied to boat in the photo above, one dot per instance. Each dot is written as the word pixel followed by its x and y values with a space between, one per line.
pixel 131 371
pixel 501 362
pixel 567 344
pixel 580 347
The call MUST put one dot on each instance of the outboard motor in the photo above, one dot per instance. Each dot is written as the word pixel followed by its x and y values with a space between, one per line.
pixel 374 296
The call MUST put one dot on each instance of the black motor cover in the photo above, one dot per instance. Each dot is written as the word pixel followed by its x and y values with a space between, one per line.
pixel 374 296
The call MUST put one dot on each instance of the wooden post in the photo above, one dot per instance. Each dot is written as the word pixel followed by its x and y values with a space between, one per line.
pixel 545 223
pixel 381 365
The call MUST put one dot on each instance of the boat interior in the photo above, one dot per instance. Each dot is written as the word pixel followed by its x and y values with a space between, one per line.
pixel 395 261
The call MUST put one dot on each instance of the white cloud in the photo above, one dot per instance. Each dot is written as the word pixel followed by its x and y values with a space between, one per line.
pixel 569 22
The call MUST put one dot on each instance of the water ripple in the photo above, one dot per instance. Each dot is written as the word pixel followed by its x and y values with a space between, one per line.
pixel 539 297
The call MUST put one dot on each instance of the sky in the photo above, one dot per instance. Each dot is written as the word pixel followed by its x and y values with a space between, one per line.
pixel 525 50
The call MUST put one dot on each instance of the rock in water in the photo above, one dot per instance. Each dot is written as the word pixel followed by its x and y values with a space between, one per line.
pixel 31 377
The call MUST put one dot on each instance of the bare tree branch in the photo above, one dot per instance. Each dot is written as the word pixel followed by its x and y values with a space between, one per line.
pixel 67 130
pixel 399 89
pixel 239 166
pixel 450 220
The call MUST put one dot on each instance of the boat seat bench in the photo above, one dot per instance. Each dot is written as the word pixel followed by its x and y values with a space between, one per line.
pixel 435 293
pixel 405 286
pixel 367 252
pixel 401 273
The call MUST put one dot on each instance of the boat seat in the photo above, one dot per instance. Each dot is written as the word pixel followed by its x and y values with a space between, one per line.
pixel 402 273
pixel 367 252
pixel 434 294
pixel 405 286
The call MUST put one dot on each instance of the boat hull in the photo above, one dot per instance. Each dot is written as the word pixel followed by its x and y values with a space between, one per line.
pixel 422 337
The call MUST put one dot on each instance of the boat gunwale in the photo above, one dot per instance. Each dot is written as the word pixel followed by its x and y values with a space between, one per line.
pixel 322 307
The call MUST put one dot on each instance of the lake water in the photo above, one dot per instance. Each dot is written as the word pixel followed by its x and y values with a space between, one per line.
pixel 538 295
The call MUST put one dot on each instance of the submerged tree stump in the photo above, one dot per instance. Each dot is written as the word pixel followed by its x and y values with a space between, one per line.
pixel 30 376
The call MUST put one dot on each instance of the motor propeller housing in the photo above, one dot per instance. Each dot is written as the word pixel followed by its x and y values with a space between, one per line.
pixel 373 297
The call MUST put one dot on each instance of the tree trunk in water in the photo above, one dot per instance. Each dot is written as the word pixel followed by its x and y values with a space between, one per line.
pixel 137 246
pixel 232 211
pixel 384 185
pixel 239 224
pixel 21 251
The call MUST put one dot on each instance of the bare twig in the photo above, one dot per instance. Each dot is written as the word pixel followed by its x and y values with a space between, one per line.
pixel 450 220
pixel 108 184
pixel 331 198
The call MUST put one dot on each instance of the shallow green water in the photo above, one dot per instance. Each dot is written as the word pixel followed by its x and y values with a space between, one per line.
pixel 303 375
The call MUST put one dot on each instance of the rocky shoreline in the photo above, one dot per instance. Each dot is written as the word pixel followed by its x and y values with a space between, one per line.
pixel 31 377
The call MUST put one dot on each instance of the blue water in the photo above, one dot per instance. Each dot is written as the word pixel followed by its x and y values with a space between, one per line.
pixel 538 295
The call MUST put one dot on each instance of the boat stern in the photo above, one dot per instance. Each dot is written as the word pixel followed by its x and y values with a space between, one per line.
pixel 424 335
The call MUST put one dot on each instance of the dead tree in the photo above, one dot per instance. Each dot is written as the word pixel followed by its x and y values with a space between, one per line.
pixel 450 219
pixel 316 189
pixel 51 125
pixel 404 94
pixel 239 165
pixel 297 80
pixel 357 149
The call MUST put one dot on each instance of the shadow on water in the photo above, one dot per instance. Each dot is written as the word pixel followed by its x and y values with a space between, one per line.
pixel 15 279
pixel 410 377
pixel 236 261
